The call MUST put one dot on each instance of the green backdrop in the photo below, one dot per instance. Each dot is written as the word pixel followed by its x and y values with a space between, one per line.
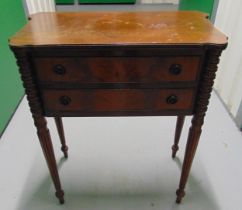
pixel 12 18
pixel 64 1
pixel 200 5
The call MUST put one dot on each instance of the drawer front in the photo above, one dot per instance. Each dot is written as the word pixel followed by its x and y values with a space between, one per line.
pixel 117 69
pixel 117 100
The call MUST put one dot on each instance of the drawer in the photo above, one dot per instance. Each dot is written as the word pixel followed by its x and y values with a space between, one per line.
pixel 117 69
pixel 89 102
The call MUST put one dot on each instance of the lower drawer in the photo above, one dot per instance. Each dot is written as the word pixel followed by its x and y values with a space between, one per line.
pixel 108 102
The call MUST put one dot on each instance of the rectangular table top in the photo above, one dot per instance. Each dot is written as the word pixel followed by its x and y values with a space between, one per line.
pixel 118 28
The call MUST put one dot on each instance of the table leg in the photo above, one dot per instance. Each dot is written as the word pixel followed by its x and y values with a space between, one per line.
pixel 204 93
pixel 37 111
pixel 60 129
pixel 192 142
pixel 179 126
pixel 47 147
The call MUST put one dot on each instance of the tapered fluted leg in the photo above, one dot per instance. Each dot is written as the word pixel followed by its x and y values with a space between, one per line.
pixel 60 129
pixel 192 142
pixel 179 126
pixel 46 144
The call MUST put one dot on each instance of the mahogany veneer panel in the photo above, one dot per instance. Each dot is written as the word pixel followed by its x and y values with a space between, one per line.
pixel 108 100
pixel 116 69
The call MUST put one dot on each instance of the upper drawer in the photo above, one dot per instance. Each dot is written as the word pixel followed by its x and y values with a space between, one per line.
pixel 117 69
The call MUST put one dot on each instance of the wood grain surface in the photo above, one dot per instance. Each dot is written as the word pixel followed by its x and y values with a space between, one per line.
pixel 118 28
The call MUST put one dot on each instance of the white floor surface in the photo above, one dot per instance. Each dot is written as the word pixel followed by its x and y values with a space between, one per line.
pixel 122 164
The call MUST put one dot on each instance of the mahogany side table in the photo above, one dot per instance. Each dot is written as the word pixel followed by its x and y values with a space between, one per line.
pixel 118 64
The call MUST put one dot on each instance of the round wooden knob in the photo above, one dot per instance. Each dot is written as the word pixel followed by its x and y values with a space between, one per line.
pixel 172 99
pixel 59 69
pixel 175 69
pixel 65 100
